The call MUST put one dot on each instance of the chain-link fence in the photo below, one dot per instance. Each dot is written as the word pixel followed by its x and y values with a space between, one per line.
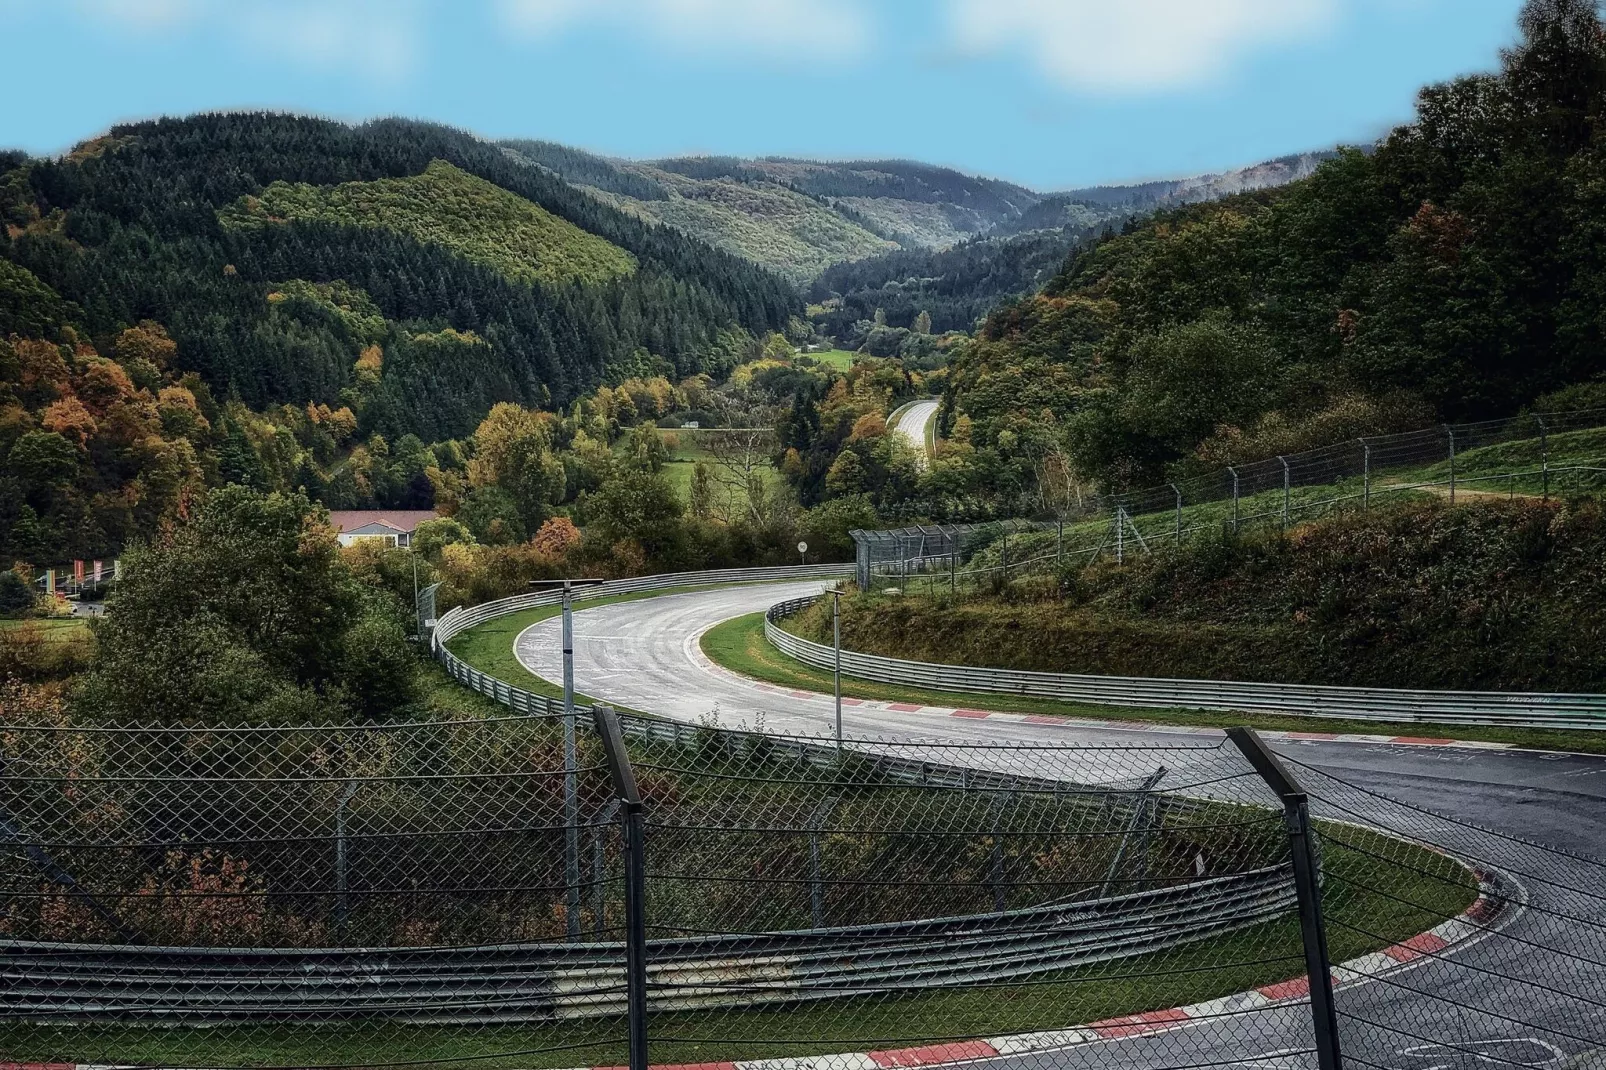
pixel 1533 455
pixel 459 893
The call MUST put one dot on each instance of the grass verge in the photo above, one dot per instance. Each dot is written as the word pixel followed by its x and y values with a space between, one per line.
pixel 1369 904
pixel 739 645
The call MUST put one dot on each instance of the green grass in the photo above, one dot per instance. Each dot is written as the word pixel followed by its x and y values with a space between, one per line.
pixel 449 207
pixel 739 645
pixel 687 450
pixel 52 629
pixel 840 359
pixel 1377 891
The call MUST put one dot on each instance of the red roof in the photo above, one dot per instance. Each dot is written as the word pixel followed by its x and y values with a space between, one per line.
pixel 403 520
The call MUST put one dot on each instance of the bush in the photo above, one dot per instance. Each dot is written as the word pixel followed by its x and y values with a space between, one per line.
pixel 15 593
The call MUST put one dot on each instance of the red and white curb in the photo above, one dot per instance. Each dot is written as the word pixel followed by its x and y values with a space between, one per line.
pixel 1147 727
pixel 1471 923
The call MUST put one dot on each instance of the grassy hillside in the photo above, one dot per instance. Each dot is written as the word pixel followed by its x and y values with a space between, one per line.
pixel 768 223
pixel 448 207
pixel 1494 595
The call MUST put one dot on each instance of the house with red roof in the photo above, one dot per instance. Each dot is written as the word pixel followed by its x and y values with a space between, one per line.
pixel 393 527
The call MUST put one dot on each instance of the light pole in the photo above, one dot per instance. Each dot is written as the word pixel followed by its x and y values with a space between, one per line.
pixel 836 669
pixel 571 787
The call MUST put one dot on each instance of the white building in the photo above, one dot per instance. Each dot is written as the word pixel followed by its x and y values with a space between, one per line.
pixel 393 527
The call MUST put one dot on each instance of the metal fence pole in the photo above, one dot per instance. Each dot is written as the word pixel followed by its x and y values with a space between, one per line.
pixel 1178 493
pixel 1307 890
pixel 1006 555
pixel 817 820
pixel 1544 455
pixel 1234 473
pixel 836 667
pixel 571 787
pixel 1366 475
pixel 1450 431
pixel 342 904
pixel 1120 534
pixel 1059 541
pixel 624 787
pixel 1286 484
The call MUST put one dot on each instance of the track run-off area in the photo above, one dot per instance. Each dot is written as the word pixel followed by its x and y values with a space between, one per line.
pixel 646 655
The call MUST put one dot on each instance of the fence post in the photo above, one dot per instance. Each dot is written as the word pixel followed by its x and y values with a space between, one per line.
pixel 1544 454
pixel 624 787
pixel 1234 473
pixel 1178 493
pixel 816 889
pixel 1059 541
pixel 342 904
pixel 1366 475
pixel 1006 554
pixel 1450 431
pixel 1307 889
pixel 1285 489
pixel 1120 534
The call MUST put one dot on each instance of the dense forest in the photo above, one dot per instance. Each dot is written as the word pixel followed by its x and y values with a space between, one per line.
pixel 1455 271
pixel 193 222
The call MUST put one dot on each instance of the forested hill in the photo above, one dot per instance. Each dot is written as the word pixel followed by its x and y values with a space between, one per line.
pixel 469 275
pixel 1456 272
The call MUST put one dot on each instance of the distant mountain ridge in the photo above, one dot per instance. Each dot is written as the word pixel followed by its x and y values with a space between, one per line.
pixel 801 217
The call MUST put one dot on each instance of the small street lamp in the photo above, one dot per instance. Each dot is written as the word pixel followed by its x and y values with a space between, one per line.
pixel 571 787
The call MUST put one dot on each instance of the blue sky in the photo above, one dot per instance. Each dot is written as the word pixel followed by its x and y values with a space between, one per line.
pixel 1050 93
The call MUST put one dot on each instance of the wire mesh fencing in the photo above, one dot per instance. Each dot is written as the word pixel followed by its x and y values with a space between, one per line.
pixel 1509 969
pixel 1534 455
pixel 461 894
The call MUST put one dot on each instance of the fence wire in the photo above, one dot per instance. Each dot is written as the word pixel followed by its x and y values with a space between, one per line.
pixel 1532 455
pixel 1511 972
pixel 412 893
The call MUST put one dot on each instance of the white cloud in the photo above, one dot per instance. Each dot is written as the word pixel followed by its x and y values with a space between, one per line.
pixel 1135 46
pixel 375 39
pixel 823 29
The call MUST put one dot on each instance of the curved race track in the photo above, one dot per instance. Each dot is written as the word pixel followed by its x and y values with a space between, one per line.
pixel 645 655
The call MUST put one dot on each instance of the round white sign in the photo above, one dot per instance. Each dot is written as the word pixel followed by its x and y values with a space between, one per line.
pixel 802 547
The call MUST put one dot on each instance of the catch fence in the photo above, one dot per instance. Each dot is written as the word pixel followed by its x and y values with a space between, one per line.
pixel 1532 455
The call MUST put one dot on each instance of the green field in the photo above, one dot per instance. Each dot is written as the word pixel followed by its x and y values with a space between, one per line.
pixel 840 359
pixel 684 453
pixel 51 629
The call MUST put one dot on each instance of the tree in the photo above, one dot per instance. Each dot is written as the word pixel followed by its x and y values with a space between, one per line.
pixel 246 613
pixel 635 505
pixel 513 451
pixel 739 461
pixel 923 322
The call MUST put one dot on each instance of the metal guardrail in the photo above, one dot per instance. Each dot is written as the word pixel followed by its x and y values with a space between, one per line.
pixel 82 984
pixel 465 617
pixel 1513 709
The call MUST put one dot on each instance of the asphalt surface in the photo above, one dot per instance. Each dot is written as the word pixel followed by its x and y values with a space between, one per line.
pixel 1506 1000
pixel 911 425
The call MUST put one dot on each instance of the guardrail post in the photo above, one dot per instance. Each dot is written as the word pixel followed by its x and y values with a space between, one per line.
pixel 1307 889
pixel 624 787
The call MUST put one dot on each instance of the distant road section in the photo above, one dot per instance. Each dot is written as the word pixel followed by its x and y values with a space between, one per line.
pixel 911 423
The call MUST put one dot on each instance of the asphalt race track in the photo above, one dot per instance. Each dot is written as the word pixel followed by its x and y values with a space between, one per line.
pixel 645 655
